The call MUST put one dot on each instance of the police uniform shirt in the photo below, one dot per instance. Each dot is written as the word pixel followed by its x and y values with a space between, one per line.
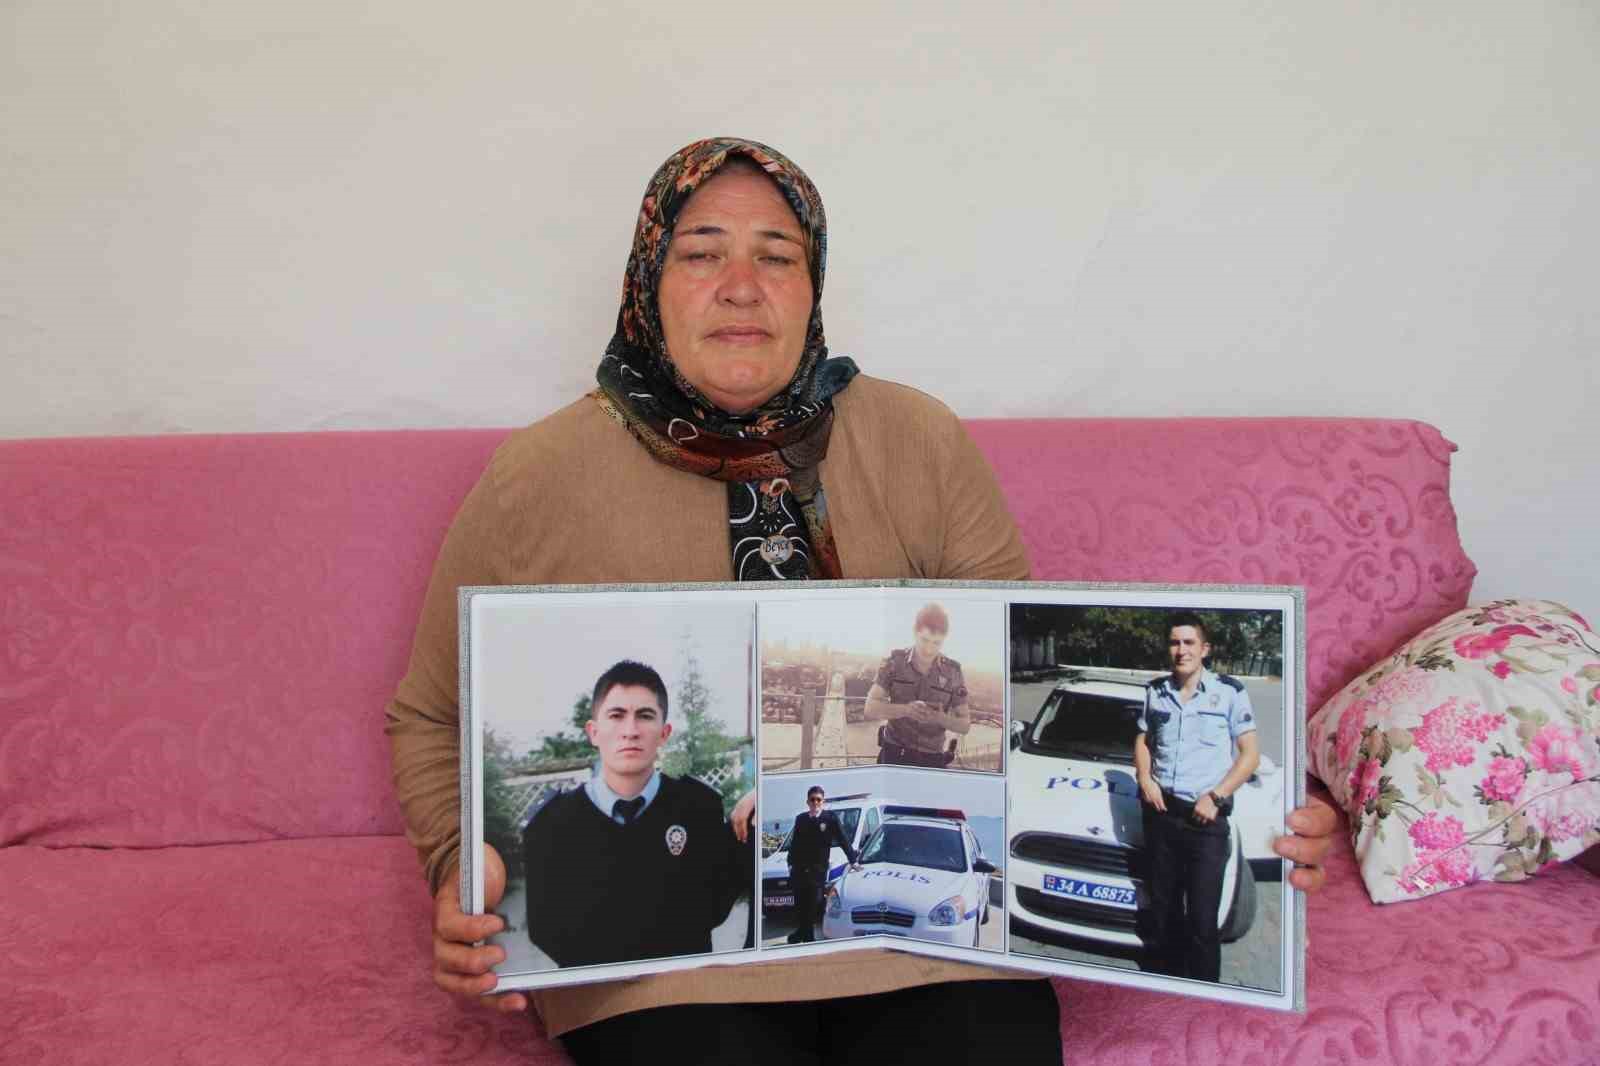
pixel 606 800
pixel 1192 744
pixel 942 688
pixel 600 890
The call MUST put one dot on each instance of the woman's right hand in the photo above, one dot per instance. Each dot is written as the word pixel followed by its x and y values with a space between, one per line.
pixel 459 966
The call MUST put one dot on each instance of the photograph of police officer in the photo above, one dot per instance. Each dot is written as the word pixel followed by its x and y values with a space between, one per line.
pixel 884 853
pixel 897 680
pixel 920 694
pixel 812 838
pixel 619 781
pixel 1197 745
pixel 1147 754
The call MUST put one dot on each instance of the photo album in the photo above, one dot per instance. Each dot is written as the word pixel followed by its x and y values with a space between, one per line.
pixel 1081 780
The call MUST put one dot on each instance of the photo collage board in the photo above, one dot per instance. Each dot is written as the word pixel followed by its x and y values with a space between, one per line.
pixel 1081 780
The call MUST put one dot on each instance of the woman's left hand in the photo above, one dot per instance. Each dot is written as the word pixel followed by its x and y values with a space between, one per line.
pixel 1313 827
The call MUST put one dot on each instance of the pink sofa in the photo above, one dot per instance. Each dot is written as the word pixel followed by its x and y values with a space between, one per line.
pixel 200 853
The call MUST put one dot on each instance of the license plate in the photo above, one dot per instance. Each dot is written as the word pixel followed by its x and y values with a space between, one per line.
pixel 1092 891
pixel 780 901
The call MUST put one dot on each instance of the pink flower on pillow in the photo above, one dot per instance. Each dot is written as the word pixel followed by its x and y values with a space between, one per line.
pixel 1448 734
pixel 1569 685
pixel 1364 782
pixel 1505 779
pixel 1408 684
pixel 1348 735
pixel 1559 827
pixel 1555 751
pixel 1501 669
pixel 1563 815
pixel 1482 645
pixel 1449 869
pixel 1436 832
pixel 1455 868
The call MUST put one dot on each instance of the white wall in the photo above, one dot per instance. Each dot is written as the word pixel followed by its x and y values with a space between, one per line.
pixel 335 215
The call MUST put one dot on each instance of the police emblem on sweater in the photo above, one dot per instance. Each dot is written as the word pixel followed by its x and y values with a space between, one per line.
pixel 677 837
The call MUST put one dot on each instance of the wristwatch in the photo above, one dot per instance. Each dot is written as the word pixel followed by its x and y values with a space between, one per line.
pixel 1224 803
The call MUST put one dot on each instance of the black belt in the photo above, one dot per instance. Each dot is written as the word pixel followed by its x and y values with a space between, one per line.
pixel 1176 805
pixel 900 751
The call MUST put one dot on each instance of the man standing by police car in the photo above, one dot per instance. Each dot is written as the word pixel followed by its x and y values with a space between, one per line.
pixel 1196 746
pixel 920 695
pixel 816 833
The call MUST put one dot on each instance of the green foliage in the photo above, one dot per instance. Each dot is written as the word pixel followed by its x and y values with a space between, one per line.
pixel 1135 638
pixel 564 744
pixel 699 745
pixel 499 806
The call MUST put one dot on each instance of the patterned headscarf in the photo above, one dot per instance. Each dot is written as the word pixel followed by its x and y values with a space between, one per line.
pixel 777 516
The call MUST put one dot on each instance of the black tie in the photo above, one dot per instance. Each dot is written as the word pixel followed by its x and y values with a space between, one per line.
pixel 627 810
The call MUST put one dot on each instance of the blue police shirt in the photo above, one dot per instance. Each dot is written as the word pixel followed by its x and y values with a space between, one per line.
pixel 1191 744
pixel 601 796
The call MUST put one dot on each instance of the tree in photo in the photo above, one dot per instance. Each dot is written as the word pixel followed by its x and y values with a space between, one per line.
pixel 564 744
pixel 500 829
pixel 700 746
pixel 1135 638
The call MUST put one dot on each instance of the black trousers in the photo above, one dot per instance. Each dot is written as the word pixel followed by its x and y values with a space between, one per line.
pixel 808 883
pixel 1184 883
pixel 1012 1022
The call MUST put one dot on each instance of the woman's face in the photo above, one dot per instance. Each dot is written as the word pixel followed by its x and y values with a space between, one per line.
pixel 735 292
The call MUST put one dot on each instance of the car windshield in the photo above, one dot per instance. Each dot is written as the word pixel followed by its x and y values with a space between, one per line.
pixel 1086 726
pixel 848 818
pixel 916 845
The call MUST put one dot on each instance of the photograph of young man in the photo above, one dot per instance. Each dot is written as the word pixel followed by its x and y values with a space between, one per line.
pixel 816 833
pixel 636 864
pixel 921 696
pixel 1196 746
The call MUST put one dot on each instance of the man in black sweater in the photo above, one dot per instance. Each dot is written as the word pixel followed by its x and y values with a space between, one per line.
pixel 810 844
pixel 634 865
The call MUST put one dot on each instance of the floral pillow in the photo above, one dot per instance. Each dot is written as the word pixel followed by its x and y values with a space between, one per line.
pixel 1473 752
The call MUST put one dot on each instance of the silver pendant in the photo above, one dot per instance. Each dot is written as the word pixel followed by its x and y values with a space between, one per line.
pixel 776 549
pixel 772 493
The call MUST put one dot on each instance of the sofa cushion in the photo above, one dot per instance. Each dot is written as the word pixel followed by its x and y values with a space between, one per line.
pixel 199 634
pixel 1498 976
pixel 1356 510
pixel 1473 752
pixel 307 952
pixel 302 951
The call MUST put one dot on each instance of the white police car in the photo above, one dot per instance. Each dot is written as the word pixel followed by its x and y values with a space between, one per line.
pixel 859 816
pixel 922 875
pixel 1077 831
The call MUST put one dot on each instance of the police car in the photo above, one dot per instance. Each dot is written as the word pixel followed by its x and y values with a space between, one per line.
pixel 1077 830
pixel 922 875
pixel 859 816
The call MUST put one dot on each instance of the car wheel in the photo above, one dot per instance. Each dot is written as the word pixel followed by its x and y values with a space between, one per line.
pixel 1242 913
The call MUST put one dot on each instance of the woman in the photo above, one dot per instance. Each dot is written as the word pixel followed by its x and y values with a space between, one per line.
pixel 724 444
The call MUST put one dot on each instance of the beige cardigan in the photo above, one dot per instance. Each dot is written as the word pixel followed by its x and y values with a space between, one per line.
pixel 573 498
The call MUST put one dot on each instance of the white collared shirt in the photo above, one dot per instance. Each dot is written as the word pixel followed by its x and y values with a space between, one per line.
pixel 601 796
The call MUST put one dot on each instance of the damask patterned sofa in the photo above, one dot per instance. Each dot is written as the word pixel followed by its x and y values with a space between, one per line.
pixel 200 853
